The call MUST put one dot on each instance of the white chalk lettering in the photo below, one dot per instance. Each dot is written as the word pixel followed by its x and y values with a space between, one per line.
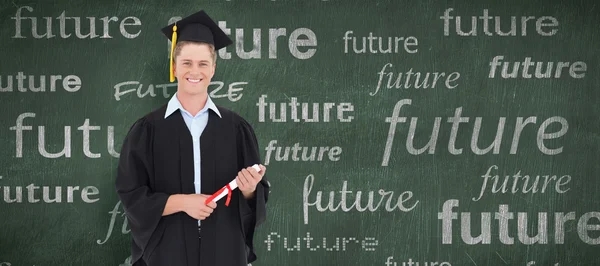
pixel 127 262
pixel 494 147
pixel 392 46
pixel 301 43
pixel 420 81
pixel 325 111
pixel 390 262
pixel 309 243
pixel 523 226
pixel 47 194
pixel 116 213
pixel 301 153
pixel 19 129
pixel 215 88
pixel 522 183
pixel 550 25
pixel 357 203
pixel 542 69
pixel 50 30
pixel 530 263
pixel 31 83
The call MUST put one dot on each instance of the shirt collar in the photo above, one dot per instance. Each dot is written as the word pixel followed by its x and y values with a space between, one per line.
pixel 174 105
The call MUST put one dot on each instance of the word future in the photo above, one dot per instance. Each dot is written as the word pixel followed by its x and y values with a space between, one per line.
pixel 390 262
pixel 420 80
pixel 47 194
pixel 31 83
pixel 19 128
pixel 309 243
pixel 391 47
pixel 355 198
pixel 116 213
pixel 308 115
pixel 584 226
pixel 304 38
pixel 233 93
pixel 301 43
pixel 76 26
pixel 542 69
pixel 457 119
pixel 549 22
pixel 527 184
pixel 301 153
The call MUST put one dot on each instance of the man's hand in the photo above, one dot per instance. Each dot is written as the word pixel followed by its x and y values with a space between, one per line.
pixel 248 178
pixel 194 206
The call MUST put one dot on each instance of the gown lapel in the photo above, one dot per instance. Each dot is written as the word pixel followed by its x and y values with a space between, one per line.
pixel 186 160
pixel 208 145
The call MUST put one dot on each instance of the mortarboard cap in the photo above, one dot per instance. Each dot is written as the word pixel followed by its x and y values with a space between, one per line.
pixel 198 27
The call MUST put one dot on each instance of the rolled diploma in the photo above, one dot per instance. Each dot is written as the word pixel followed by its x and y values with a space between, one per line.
pixel 223 191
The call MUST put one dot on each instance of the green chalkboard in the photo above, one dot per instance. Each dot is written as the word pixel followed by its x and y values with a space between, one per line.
pixel 394 132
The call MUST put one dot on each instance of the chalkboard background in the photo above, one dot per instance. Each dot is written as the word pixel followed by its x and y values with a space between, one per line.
pixel 60 142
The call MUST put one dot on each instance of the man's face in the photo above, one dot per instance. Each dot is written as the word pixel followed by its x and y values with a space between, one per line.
pixel 194 69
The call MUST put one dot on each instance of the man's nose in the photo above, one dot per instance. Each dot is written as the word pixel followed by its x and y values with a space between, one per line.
pixel 195 70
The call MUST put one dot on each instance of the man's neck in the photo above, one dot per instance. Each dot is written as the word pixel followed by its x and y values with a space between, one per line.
pixel 192 103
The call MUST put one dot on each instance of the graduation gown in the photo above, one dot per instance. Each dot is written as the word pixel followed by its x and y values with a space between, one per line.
pixel 157 161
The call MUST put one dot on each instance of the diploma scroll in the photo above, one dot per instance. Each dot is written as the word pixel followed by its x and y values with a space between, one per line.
pixel 226 190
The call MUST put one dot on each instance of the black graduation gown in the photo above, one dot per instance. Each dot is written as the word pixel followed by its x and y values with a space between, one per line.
pixel 157 161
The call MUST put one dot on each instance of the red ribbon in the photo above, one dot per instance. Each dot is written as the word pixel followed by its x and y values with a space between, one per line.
pixel 229 192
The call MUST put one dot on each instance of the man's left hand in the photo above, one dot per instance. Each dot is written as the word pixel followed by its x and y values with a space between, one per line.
pixel 247 179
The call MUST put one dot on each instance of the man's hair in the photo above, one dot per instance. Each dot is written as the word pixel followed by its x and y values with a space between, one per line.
pixel 181 44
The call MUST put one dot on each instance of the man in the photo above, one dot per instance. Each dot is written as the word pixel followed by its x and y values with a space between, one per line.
pixel 175 157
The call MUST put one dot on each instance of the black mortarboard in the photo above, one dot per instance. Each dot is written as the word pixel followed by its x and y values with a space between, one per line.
pixel 198 27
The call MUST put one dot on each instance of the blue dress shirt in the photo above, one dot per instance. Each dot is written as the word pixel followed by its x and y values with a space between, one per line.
pixel 196 125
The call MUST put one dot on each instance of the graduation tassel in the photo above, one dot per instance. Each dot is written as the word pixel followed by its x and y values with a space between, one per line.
pixel 173 42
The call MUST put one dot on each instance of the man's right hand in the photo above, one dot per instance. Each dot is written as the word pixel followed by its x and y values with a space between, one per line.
pixel 194 206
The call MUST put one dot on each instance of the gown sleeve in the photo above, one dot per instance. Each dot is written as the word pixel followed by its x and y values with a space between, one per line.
pixel 142 205
pixel 252 211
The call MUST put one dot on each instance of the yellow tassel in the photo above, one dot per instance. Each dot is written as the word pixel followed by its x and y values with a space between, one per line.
pixel 173 42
